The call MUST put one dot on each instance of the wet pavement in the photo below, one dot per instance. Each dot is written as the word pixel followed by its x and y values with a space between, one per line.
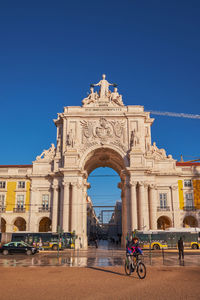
pixel 103 256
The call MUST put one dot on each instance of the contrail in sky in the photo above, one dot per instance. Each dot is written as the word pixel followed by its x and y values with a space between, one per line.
pixel 173 114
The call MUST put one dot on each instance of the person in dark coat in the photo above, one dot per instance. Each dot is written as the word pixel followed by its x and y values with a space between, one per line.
pixel 181 249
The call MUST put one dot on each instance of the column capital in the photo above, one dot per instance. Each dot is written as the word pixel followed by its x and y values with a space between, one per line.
pixel 174 187
pixel 55 186
pixel 133 183
pixel 141 183
pixel 77 185
pixel 65 183
pixel 153 186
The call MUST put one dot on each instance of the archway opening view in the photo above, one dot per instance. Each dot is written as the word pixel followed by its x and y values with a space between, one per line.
pixel 104 208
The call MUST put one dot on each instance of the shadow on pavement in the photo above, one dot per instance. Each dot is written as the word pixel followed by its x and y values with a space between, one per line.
pixel 107 271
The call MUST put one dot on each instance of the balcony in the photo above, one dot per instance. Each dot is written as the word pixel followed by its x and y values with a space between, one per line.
pixel 189 208
pixel 164 208
pixel 19 210
pixel 44 209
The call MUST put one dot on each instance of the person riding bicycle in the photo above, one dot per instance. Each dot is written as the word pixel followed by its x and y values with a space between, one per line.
pixel 132 247
pixel 132 261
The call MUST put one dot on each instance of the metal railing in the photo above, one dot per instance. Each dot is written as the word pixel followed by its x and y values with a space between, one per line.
pixel 189 208
pixel 163 208
pixel 44 209
pixel 19 209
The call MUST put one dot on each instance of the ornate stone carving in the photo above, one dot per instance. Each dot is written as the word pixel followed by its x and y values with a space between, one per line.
pixel 118 127
pixel 133 183
pixel 158 154
pixel 70 139
pixel 105 97
pixel 116 98
pixel 47 155
pixel 134 141
pixel 152 186
pixel 92 97
pixel 174 187
pixel 102 131
pixel 65 183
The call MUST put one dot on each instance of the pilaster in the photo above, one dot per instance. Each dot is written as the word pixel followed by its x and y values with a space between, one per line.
pixel 152 207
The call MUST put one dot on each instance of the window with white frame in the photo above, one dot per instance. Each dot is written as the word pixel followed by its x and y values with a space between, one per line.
pixel 163 200
pixel 2 184
pixel 45 201
pixel 188 183
pixel 2 201
pixel 20 201
pixel 189 199
pixel 21 184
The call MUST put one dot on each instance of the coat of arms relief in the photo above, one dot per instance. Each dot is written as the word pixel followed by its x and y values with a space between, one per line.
pixel 103 131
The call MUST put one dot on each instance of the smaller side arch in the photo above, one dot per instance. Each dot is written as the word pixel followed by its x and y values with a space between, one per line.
pixel 45 224
pixel 190 221
pixel 3 225
pixel 164 222
pixel 19 224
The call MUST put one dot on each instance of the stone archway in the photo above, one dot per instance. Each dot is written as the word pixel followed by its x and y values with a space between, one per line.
pixel 45 225
pixel 3 225
pixel 20 224
pixel 104 133
pixel 164 222
pixel 190 221
pixel 107 157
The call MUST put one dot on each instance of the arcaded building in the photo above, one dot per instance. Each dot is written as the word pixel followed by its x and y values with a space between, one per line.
pixel 157 192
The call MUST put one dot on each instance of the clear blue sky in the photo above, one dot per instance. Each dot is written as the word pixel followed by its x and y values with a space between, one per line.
pixel 50 52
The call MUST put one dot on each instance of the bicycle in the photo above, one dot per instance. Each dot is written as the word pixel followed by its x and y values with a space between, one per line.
pixel 132 263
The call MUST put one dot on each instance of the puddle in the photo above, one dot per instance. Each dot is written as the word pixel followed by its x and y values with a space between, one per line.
pixel 70 261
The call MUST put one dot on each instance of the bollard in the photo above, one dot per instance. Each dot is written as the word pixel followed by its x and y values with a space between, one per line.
pixel 150 248
pixel 163 256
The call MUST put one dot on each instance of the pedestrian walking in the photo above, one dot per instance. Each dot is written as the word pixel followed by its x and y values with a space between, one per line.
pixel 181 250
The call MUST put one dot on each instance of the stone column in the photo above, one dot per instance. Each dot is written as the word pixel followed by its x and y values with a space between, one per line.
pixel 84 215
pixel 146 207
pixel 79 209
pixel 153 207
pixel 141 206
pixel 128 207
pixel 133 206
pixel 34 204
pixel 55 209
pixel 74 208
pixel 65 206
pixel 124 215
pixel 175 206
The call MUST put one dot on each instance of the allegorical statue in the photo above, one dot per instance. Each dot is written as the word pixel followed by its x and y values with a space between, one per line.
pixel 116 98
pixel 91 97
pixel 104 86
pixel 47 154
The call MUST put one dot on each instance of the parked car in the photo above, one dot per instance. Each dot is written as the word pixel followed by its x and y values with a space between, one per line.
pixel 17 247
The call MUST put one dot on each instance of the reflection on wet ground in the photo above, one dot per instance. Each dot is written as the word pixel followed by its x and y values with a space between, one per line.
pixel 48 260
pixel 93 260
pixel 100 257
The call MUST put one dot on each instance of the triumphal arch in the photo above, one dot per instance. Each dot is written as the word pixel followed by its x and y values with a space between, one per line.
pixel 103 132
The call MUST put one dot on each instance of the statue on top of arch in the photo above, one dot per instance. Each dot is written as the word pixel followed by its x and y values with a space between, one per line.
pixel 105 97
pixel 47 154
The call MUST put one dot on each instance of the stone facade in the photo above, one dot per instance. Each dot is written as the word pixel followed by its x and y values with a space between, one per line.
pixel 103 132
